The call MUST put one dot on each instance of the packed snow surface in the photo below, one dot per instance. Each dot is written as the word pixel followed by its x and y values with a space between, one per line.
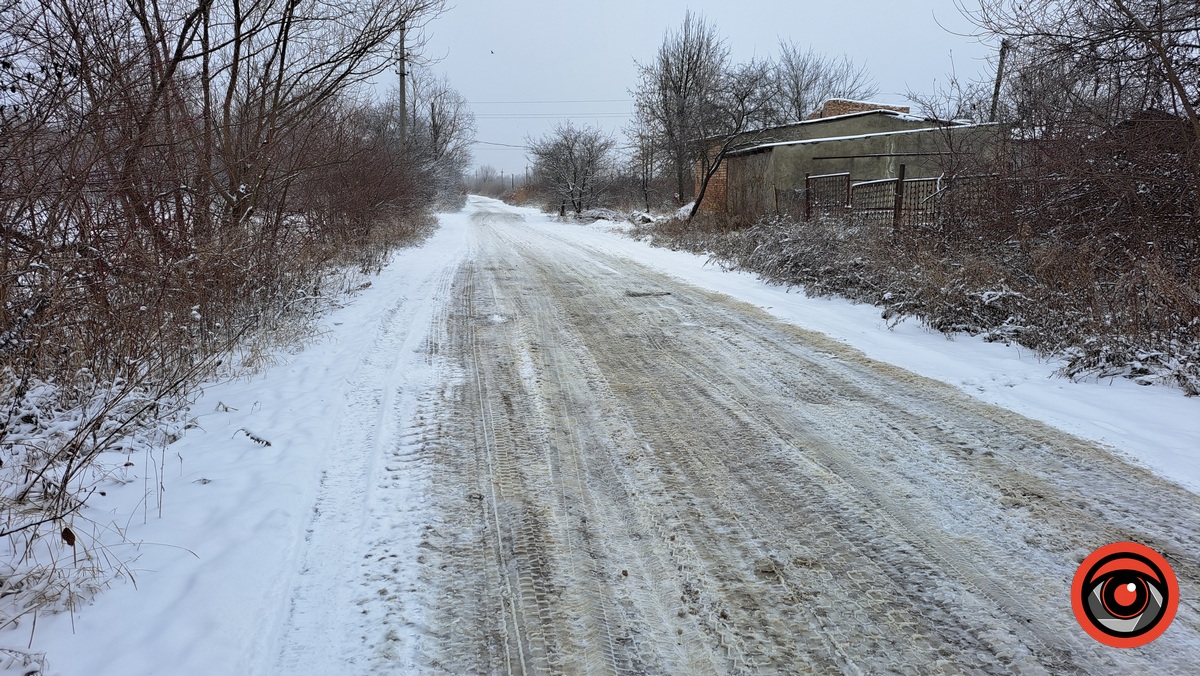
pixel 478 466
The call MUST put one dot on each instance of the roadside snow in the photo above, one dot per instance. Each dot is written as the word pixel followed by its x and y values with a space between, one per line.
pixel 214 571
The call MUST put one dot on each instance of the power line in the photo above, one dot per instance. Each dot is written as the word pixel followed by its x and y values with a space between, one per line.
pixel 550 116
pixel 541 102
pixel 502 145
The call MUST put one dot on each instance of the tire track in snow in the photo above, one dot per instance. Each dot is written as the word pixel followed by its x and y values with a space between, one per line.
pixel 772 500
pixel 348 609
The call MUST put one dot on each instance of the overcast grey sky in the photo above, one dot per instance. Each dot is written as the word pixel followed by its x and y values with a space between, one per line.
pixel 526 64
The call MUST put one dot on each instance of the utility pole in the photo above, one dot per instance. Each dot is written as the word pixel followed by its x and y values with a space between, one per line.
pixel 403 71
pixel 1004 44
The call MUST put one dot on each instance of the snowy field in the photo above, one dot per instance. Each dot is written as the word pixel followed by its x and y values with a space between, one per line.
pixel 232 576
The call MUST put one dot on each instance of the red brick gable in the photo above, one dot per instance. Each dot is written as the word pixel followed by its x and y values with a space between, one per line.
pixel 835 107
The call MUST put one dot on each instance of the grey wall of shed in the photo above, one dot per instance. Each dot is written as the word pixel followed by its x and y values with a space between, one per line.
pixel 746 195
pixel 754 177
pixel 749 192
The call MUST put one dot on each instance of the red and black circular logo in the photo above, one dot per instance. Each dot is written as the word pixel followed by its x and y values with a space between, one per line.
pixel 1124 595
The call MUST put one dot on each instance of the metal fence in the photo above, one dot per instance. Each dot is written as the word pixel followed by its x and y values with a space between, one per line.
pixel 826 194
pixel 899 201
pixel 874 200
pixel 790 202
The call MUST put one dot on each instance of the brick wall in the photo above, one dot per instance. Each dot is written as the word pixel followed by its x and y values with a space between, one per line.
pixel 834 107
pixel 715 197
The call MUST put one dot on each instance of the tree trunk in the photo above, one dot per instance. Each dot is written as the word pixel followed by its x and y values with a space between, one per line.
pixel 708 174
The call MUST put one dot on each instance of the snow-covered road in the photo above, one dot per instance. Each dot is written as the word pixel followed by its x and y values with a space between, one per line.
pixel 534 454
pixel 637 475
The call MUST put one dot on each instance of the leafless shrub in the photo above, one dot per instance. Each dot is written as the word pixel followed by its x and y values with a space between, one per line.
pixel 1053 296
pixel 177 179
pixel 29 663
pixel 572 166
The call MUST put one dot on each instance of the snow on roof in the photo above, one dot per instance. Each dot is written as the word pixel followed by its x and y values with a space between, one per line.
pixel 944 127
pixel 859 113
pixel 908 117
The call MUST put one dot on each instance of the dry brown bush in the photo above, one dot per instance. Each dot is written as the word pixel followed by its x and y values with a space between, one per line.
pixel 172 186
pixel 1056 297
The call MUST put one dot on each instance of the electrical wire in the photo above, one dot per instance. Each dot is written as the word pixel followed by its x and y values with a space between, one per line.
pixel 482 103
pixel 553 116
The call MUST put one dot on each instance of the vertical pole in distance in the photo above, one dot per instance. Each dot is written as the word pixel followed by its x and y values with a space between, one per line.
pixel 898 211
pixel 807 198
pixel 403 72
pixel 1004 45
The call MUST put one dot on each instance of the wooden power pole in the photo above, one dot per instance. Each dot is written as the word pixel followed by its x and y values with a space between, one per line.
pixel 1004 44
pixel 403 71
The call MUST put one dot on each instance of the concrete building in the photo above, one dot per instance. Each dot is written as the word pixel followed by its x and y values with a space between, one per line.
pixel 868 142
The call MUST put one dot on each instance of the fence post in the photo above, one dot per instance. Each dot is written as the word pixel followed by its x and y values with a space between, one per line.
pixel 849 208
pixel 898 209
pixel 807 198
pixel 776 199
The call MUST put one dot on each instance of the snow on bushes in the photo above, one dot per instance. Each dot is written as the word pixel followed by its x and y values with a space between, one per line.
pixel 1140 322
pixel 52 558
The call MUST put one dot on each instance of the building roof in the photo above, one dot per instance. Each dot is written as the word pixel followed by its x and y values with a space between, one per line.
pixel 754 136
pixel 942 126
pixel 832 118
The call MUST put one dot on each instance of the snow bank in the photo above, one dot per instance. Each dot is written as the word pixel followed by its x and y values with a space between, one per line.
pixel 210 567
pixel 1156 426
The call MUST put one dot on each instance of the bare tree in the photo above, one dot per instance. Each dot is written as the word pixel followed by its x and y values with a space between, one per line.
pixel 443 131
pixel 693 103
pixel 275 62
pixel 157 169
pixel 1092 74
pixel 807 78
pixel 954 100
pixel 676 90
pixel 744 101
pixel 644 164
pixel 1101 59
pixel 573 165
